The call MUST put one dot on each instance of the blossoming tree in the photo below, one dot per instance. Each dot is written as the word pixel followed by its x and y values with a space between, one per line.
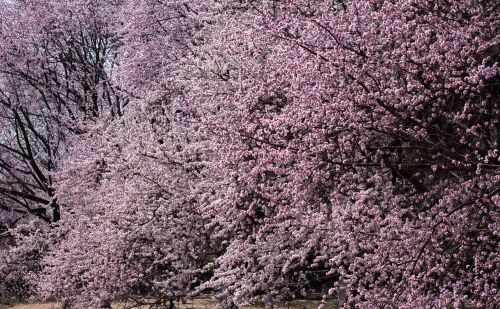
pixel 271 149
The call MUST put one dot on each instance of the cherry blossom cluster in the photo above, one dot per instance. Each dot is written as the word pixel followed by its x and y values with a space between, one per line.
pixel 260 150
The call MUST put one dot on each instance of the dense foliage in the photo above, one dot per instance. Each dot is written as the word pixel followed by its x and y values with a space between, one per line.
pixel 254 150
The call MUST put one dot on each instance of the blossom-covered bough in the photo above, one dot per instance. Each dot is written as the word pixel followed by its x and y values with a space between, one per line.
pixel 374 143
pixel 274 149
pixel 55 62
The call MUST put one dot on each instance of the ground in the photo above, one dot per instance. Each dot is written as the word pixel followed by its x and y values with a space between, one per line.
pixel 192 304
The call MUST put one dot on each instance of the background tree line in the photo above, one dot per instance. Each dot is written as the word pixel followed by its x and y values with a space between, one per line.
pixel 254 150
